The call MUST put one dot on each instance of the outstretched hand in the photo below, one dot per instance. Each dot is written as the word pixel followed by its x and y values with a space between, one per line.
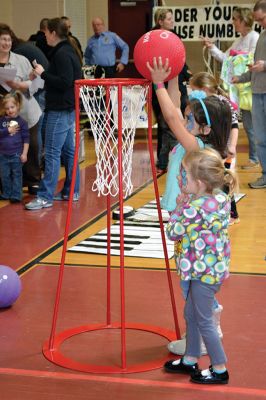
pixel 159 71
pixel 207 42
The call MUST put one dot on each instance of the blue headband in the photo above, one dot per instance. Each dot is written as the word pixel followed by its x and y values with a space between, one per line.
pixel 200 95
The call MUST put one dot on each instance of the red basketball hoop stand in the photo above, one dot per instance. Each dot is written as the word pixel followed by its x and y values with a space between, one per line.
pixel 51 347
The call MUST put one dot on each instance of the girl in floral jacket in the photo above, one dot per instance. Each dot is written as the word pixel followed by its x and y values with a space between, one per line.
pixel 198 226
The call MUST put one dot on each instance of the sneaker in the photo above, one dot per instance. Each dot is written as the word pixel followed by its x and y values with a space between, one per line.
pixel 177 347
pixel 217 320
pixel 65 197
pixel 260 183
pixel 251 164
pixel 203 349
pixel 209 376
pixel 178 367
pixel 38 203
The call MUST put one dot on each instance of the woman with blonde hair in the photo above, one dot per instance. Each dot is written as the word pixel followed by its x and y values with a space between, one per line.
pixel 243 22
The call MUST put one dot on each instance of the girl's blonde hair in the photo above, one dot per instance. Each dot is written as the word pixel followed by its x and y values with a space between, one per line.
pixel 160 15
pixel 203 80
pixel 207 166
pixel 16 96
pixel 245 15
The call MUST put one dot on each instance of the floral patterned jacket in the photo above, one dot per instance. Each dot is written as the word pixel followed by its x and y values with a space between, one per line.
pixel 202 248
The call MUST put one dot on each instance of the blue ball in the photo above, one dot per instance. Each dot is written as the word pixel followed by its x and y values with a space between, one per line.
pixel 10 286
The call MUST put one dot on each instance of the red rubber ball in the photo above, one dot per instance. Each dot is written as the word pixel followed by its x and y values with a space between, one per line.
pixel 161 43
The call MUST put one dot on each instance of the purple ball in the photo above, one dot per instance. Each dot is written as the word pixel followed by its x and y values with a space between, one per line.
pixel 10 286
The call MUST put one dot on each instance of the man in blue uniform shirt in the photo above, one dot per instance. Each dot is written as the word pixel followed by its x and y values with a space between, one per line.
pixel 101 49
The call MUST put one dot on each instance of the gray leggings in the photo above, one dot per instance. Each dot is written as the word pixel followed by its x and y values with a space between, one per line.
pixel 199 321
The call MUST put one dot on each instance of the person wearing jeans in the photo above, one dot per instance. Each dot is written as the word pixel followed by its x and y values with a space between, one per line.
pixel 59 79
pixel 248 126
pixel 259 123
pixel 257 76
pixel 59 142
pixel 242 20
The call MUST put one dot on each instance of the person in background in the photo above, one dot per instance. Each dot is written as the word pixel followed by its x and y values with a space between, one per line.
pixel 257 74
pixel 206 82
pixel 101 49
pixel 59 79
pixel 243 22
pixel 14 146
pixel 34 55
pixel 40 40
pixel 30 110
pixel 166 141
pixel 72 38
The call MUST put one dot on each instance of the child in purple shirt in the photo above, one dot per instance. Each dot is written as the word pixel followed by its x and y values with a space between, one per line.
pixel 14 146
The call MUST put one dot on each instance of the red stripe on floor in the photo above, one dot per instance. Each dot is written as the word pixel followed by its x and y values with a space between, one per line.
pixel 249 392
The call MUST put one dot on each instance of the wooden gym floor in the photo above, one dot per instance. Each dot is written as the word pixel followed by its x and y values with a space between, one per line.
pixel 31 243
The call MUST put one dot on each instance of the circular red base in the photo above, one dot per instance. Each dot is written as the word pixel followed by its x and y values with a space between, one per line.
pixel 54 355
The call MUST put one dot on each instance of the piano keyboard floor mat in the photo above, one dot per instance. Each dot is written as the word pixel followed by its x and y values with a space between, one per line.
pixel 142 242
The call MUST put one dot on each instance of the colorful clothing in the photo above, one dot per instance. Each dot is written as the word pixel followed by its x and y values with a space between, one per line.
pixel 202 248
pixel 234 66
pixel 243 43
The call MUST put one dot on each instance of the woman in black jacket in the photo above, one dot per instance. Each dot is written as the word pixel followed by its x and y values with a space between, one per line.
pixel 59 79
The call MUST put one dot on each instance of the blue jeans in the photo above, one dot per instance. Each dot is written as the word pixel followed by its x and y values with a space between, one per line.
pixel 11 176
pixel 185 289
pixel 59 142
pixel 248 126
pixel 259 125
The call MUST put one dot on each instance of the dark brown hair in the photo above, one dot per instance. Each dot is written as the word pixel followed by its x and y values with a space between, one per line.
pixel 58 26
pixel 221 120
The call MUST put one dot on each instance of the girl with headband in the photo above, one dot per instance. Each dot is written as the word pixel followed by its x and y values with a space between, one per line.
pixel 208 124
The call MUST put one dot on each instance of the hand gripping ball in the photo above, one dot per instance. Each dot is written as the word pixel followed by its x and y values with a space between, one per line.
pixel 159 43
pixel 10 286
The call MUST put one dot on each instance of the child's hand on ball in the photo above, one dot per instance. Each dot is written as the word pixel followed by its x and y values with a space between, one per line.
pixel 159 71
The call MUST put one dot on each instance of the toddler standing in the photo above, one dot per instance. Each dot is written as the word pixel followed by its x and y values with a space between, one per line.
pixel 14 146
pixel 198 226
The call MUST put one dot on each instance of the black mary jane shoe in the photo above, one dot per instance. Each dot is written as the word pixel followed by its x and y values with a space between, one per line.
pixel 179 367
pixel 210 379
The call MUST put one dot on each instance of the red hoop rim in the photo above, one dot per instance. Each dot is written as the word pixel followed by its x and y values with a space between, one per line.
pixel 113 82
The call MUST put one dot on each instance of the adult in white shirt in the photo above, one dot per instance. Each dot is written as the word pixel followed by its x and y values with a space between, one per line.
pixel 243 22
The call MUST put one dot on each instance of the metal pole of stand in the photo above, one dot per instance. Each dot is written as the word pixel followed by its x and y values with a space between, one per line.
pixel 108 217
pixel 121 201
pixel 157 196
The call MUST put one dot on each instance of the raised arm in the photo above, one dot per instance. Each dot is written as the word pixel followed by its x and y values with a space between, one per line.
pixel 159 73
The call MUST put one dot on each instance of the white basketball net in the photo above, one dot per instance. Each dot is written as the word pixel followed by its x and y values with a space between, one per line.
pixel 103 116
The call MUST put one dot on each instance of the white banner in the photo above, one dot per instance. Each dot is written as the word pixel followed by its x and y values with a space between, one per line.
pixel 213 21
